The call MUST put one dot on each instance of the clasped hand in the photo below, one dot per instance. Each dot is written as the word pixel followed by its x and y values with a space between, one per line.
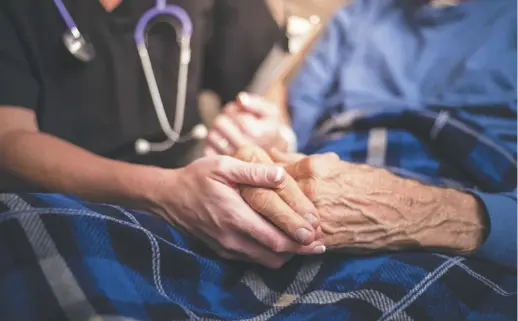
pixel 265 210
pixel 202 200
pixel 250 119
pixel 364 209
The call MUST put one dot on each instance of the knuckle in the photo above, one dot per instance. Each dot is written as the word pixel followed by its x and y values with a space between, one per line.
pixel 311 190
pixel 228 243
pixel 331 157
pixel 220 121
pixel 308 187
pixel 318 164
pixel 257 172
pixel 278 246
pixel 229 107
pixel 295 171
pixel 308 165
pixel 259 199
pixel 321 159
pixel 246 153
pixel 213 135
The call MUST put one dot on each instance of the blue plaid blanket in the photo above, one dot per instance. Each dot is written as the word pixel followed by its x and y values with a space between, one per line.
pixel 65 259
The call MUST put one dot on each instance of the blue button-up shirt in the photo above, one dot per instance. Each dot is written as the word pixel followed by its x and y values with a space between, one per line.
pixel 408 58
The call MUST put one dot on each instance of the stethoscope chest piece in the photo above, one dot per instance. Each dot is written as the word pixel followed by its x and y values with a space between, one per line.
pixel 78 46
pixel 84 51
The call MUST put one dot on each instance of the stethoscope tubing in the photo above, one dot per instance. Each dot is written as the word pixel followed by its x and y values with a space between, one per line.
pixel 183 34
pixel 183 39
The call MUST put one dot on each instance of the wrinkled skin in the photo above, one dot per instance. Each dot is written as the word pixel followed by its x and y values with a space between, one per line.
pixel 364 209
pixel 288 199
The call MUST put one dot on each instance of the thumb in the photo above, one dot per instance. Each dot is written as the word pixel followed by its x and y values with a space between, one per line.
pixel 259 175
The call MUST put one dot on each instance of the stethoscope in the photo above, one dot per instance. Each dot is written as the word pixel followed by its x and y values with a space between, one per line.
pixel 83 50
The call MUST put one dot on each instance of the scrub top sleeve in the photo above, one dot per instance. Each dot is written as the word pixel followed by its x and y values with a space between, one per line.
pixel 243 34
pixel 18 87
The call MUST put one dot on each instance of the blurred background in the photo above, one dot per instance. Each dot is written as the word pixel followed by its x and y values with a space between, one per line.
pixel 302 21
pixel 302 17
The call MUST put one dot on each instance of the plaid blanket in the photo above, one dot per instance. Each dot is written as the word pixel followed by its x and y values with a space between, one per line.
pixel 439 146
pixel 65 259
pixel 62 259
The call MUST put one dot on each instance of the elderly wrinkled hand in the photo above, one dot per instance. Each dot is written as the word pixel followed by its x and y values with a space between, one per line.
pixel 369 209
pixel 286 205
pixel 364 209
pixel 209 207
pixel 248 120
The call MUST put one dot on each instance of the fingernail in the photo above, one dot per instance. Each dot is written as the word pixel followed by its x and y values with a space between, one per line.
pixel 310 218
pixel 244 98
pixel 319 249
pixel 279 173
pixel 302 234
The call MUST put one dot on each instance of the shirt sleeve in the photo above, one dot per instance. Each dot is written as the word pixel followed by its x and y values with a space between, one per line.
pixel 500 245
pixel 18 86
pixel 316 76
pixel 243 34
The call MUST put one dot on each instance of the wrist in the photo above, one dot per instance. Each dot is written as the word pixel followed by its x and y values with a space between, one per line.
pixel 473 216
pixel 143 186
pixel 461 224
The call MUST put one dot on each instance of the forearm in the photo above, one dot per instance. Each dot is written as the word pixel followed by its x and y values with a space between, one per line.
pixel 367 208
pixel 37 162
pixel 461 222
pixel 416 217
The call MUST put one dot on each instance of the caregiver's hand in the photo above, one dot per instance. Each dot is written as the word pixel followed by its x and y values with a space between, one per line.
pixel 202 199
pixel 285 205
pixel 365 208
pixel 249 120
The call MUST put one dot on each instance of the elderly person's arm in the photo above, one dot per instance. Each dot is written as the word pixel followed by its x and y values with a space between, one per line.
pixel 364 209
pixel 371 209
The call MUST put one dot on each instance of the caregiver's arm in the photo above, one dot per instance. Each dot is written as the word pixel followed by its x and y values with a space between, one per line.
pixel 43 161
pixel 32 161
